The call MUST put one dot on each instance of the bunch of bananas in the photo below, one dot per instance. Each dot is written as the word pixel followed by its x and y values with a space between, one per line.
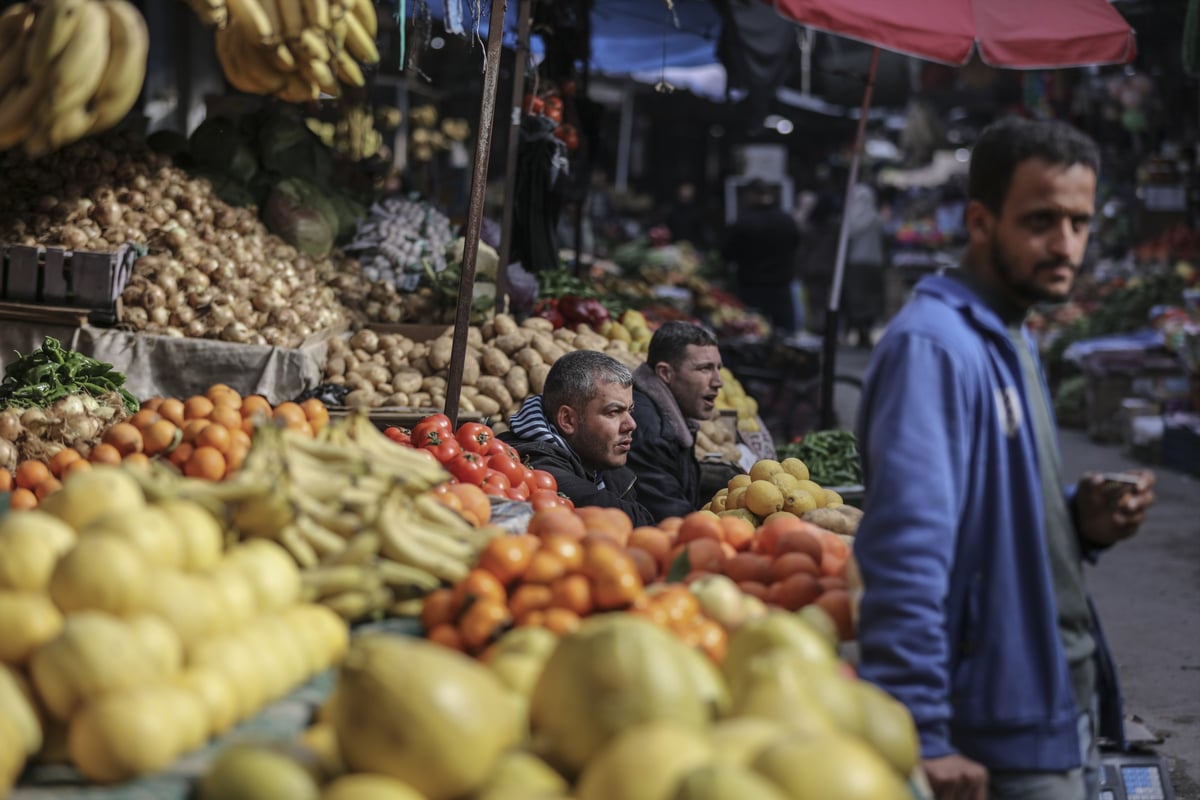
pixel 355 135
pixel 293 49
pixel 352 508
pixel 68 69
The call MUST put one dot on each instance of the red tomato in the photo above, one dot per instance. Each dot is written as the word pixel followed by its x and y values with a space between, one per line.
pixel 397 435
pixel 512 469
pixel 543 480
pixel 544 498
pixel 554 101
pixel 445 451
pixel 434 423
pixel 526 477
pixel 467 467
pixel 518 492
pixel 495 483
pixel 474 437
pixel 554 114
pixel 495 446
pixel 533 104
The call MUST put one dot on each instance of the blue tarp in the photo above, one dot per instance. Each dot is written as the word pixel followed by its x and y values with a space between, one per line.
pixel 628 36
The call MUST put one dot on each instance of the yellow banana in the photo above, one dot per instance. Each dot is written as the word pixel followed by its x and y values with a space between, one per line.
pixel 311 46
pixel 316 12
pixel 360 43
pixel 270 8
pixel 211 14
pixel 318 72
pixel 16 112
pixel 348 71
pixel 337 34
pixel 258 22
pixel 364 12
pixel 281 58
pixel 291 14
pixel 243 70
pixel 337 10
pixel 53 27
pixel 75 75
pixel 62 129
pixel 15 23
pixel 297 89
pixel 125 73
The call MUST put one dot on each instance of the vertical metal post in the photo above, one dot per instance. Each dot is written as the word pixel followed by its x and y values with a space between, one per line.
pixel 624 138
pixel 514 140
pixel 829 345
pixel 483 149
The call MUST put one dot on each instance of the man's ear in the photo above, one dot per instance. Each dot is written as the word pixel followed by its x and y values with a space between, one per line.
pixel 979 222
pixel 664 371
pixel 566 420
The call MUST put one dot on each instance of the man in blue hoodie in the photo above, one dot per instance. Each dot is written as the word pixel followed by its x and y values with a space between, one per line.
pixel 975 614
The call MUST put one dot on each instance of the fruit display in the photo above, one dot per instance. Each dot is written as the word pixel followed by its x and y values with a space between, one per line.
pixel 731 396
pixel 139 633
pixel 400 239
pixel 296 51
pixel 831 456
pixel 69 69
pixel 212 271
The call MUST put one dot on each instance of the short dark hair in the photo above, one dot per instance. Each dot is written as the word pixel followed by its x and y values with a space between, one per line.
pixel 670 342
pixel 1006 144
pixel 573 378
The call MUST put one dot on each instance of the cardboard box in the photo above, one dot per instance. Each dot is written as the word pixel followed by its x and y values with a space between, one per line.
pixel 58 277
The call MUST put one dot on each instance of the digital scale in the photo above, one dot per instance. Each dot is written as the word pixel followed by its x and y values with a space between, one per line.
pixel 1137 775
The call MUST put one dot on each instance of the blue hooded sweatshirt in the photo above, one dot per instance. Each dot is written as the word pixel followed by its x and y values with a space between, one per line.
pixel 958 617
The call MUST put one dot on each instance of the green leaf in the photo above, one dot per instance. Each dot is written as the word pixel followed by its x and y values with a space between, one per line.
pixel 681 567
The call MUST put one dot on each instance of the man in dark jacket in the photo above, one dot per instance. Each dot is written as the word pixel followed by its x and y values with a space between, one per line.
pixel 672 392
pixel 762 243
pixel 579 429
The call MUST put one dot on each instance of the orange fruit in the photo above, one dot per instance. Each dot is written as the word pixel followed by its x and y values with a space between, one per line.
pixel 123 436
pixel 438 609
pixel 227 416
pixel 615 590
pixel 235 458
pixel 603 522
pixel 754 588
pixel 836 603
pixel 291 414
pixel 239 438
pixel 317 413
pixel 834 554
pixel 507 557
pixel 159 437
pixel 47 487
pixel 447 636
pixel 705 555
pixel 602 558
pixel 678 602
pixel 172 409
pixel 790 564
pixel 474 501
pixel 531 619
pixel 711 638
pixel 670 526
pixel 63 459
pixel 144 418
pixel 545 568
pixel 700 525
pixel 152 404
pixel 830 582
pixel 222 395
pixel 256 405
pixel 530 597
pixel 647 566
pixel 568 550
pixel 653 541
pixel 215 436
pixel 799 541
pixel 479 585
pixel 192 428
pixel 137 459
pixel 105 453
pixel 22 499
pixel 795 591
pixel 32 474
pixel 737 532
pixel 748 567
pixel 6 480
pixel 197 407
pixel 560 620
pixel 82 465
pixel 302 428
pixel 766 538
pixel 542 499
pixel 207 463
pixel 557 520
pixel 180 455
pixel 482 621
pixel 574 593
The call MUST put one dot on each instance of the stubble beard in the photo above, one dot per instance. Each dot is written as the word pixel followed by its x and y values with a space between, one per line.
pixel 1026 290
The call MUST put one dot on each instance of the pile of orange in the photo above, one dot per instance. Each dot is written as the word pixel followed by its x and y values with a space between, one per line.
pixel 466 499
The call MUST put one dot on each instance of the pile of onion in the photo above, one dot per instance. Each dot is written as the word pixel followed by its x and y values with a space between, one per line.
pixel 77 420
pixel 212 270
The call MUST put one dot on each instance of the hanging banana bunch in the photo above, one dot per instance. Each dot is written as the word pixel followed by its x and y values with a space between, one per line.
pixel 68 69
pixel 296 50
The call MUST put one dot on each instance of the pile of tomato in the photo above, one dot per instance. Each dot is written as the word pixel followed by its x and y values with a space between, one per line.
pixel 474 455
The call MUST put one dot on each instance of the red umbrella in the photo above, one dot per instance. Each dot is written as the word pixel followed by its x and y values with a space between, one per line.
pixel 1018 34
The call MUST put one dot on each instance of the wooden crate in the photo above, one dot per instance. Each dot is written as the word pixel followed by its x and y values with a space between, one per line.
pixel 54 276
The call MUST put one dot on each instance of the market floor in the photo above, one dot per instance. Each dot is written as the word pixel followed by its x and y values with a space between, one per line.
pixel 1147 591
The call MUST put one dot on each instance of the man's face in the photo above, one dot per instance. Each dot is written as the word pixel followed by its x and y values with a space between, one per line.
pixel 601 432
pixel 694 383
pixel 1034 247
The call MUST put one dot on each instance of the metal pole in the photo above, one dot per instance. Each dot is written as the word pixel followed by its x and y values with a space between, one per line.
pixel 829 355
pixel 624 138
pixel 514 140
pixel 483 149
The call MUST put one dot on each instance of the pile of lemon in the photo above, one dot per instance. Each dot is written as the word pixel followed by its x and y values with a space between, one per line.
pixel 772 486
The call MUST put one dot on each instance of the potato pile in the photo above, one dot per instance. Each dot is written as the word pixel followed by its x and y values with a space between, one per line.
pixel 506 362
pixel 716 437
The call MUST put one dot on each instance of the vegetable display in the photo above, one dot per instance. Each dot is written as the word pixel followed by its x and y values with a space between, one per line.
pixel 51 373
pixel 831 456
pixel 399 238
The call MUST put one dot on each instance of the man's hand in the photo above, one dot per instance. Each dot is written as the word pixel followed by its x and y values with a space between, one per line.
pixel 1106 516
pixel 956 778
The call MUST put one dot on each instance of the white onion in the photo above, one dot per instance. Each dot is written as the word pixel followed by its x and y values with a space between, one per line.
pixel 10 426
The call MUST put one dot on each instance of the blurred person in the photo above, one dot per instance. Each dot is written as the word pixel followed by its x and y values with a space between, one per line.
pixel 866 255
pixel 975 613
pixel 685 220
pixel 761 245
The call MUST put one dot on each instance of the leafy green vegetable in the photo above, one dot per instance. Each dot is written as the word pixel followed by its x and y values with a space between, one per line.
pixel 831 457
pixel 51 373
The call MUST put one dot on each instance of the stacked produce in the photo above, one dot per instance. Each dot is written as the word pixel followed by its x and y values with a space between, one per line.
pixel 715 437
pixel 348 505
pixel 426 136
pixel 731 396
pixel 69 69
pixel 140 634
pixel 295 51
pixel 831 457
pixel 616 709
pixel 400 240
pixel 213 271
pixel 54 398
